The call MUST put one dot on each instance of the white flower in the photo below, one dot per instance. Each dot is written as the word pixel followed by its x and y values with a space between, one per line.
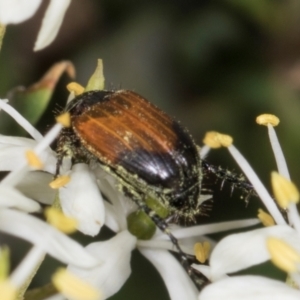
pixel 280 242
pixel 84 203
pixel 49 239
pixel 80 198
pixel 17 11
pixel 116 252
pixel 252 250
pixel 45 238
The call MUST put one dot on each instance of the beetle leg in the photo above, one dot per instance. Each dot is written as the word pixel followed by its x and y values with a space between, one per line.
pixel 63 148
pixel 69 146
pixel 199 279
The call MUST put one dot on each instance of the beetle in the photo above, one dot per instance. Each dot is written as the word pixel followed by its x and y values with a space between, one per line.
pixel 150 154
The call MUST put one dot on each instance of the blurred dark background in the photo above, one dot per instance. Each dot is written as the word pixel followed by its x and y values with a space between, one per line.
pixel 214 65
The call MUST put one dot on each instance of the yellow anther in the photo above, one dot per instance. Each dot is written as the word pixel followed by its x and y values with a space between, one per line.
pixel 202 251
pixel 33 160
pixel 64 119
pixel 225 140
pixel 8 291
pixel 60 221
pixel 283 255
pixel 73 287
pixel 211 139
pixel 284 190
pixel 215 139
pixel 265 218
pixel 266 119
pixel 75 88
pixel 60 182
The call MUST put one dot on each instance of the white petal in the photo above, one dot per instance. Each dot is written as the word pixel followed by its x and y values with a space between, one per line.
pixel 12 154
pixel 81 199
pixel 205 270
pixel 16 141
pixel 178 283
pixel 13 198
pixel 157 244
pixel 115 213
pixel 249 288
pixel 115 270
pixel 239 251
pixel 12 157
pixel 51 23
pixel 17 11
pixel 12 151
pixel 187 244
pixel 35 185
pixel 111 218
pixel 189 236
pixel 200 230
pixel 38 232
pixel 122 206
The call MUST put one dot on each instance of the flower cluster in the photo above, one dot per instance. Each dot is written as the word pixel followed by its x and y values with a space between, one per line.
pixel 24 157
pixel 99 270
pixel 103 266
pixel 279 241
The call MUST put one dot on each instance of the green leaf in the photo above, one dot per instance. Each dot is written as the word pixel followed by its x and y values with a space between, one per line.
pixel 32 102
